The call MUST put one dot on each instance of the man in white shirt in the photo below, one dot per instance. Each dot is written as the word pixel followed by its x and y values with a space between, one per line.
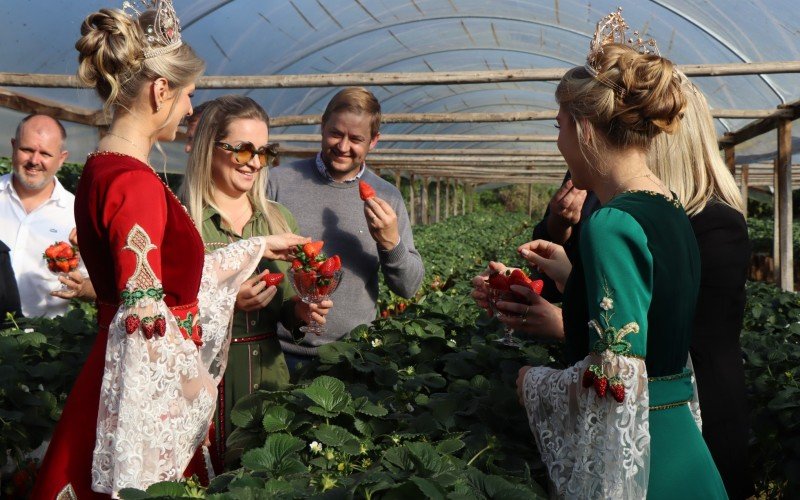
pixel 35 212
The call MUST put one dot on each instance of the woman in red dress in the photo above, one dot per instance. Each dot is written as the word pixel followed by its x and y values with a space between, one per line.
pixel 141 407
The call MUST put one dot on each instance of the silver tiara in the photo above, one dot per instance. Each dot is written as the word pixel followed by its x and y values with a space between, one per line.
pixel 164 35
pixel 613 29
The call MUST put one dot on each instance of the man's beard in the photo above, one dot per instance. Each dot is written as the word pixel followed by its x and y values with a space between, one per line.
pixel 32 186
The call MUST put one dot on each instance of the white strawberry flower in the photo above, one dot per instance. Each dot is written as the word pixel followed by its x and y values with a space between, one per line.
pixel 376 342
pixel 607 304
pixel 315 447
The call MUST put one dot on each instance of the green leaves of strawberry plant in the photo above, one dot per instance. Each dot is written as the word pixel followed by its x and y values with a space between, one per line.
pixel 276 457
pixel 329 395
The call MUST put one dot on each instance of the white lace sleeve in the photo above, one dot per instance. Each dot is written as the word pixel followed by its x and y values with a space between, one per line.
pixel 694 404
pixel 224 271
pixel 156 397
pixel 592 446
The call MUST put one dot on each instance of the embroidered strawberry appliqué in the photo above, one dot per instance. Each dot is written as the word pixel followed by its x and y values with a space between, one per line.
pixel 611 344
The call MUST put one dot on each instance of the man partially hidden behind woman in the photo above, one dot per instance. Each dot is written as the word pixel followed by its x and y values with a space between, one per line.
pixel 142 405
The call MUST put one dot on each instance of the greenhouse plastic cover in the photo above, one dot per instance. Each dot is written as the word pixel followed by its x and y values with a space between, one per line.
pixel 271 37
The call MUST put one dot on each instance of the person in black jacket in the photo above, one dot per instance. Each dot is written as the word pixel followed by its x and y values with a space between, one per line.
pixel 9 294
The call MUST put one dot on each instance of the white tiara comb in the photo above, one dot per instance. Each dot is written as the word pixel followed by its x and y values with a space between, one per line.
pixel 164 35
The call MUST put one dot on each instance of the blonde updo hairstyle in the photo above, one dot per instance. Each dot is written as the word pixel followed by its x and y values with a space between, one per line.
pixel 197 190
pixel 689 161
pixel 111 59
pixel 633 98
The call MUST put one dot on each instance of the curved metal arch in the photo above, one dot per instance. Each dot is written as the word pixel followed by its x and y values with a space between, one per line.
pixel 719 39
pixel 414 87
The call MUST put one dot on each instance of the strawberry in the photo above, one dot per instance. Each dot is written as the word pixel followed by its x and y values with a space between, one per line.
pixel 536 286
pixel 272 279
pixel 365 191
pixel 62 266
pixel 384 314
pixel 617 389
pixel 51 252
pixel 311 250
pixel 51 265
pixel 132 322
pixel 305 280
pixel 297 264
pixel 518 277
pixel 330 266
pixel 148 327
pixel 498 281
pixel 588 378
pixel 160 325
pixel 66 252
pixel 600 385
pixel 401 306
pixel 73 263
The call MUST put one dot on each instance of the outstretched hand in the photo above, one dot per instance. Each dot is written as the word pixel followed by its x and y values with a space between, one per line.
pixel 549 258
pixel 280 246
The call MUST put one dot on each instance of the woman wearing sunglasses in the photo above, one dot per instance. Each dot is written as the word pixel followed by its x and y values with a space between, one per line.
pixel 225 192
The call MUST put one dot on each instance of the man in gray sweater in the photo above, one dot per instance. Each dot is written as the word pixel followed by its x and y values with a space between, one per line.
pixel 370 236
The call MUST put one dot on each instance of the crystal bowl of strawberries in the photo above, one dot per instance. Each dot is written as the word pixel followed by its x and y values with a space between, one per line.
pixel 61 258
pixel 499 290
pixel 314 276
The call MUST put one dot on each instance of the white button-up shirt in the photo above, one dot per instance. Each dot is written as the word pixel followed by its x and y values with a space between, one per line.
pixel 27 235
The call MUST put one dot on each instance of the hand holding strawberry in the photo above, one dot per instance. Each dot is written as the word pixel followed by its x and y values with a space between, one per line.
pixel 61 257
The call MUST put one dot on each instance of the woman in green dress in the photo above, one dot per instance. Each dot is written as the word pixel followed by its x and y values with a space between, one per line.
pixel 617 423
pixel 225 192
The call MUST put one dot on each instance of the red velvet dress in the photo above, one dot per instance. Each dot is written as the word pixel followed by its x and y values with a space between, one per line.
pixel 115 193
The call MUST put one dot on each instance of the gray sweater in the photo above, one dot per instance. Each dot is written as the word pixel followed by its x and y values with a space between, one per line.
pixel 333 212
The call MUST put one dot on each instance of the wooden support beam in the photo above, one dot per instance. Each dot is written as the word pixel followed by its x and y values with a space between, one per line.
pixel 762 126
pixel 730 159
pixel 776 238
pixel 437 213
pixel 397 178
pixel 420 152
pixel 784 187
pixel 386 138
pixel 418 78
pixel 424 200
pixel 446 198
pixel 66 112
pixel 411 201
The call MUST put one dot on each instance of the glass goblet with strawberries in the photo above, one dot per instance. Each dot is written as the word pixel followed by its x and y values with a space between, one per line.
pixel 499 290
pixel 314 277
pixel 61 258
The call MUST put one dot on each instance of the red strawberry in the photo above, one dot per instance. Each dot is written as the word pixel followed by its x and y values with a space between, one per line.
pixel 160 325
pixel 384 314
pixel 600 385
pixel 66 252
pixel 51 265
pixel 305 280
pixel 536 286
pixel 588 378
pixel 297 264
pixel 401 306
pixel 365 190
pixel 62 266
pixel 272 279
pixel 498 281
pixel 148 327
pixel 132 322
pixel 73 263
pixel 518 277
pixel 617 389
pixel 313 249
pixel 51 252
pixel 330 266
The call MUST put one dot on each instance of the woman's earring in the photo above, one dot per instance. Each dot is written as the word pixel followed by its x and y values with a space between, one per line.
pixel 158 107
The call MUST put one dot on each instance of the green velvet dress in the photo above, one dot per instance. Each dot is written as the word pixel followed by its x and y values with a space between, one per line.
pixel 628 310
pixel 255 358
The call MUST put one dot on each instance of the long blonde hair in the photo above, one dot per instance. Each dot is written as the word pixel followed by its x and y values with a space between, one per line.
pixel 689 162
pixel 197 189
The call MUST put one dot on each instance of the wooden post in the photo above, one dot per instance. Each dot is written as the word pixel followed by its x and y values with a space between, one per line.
pixel 436 215
pixel 784 173
pixel 378 172
pixel 455 197
pixel 397 179
pixel 730 159
pixel 446 198
pixel 776 254
pixel 463 198
pixel 530 199
pixel 424 200
pixel 411 202
pixel 745 186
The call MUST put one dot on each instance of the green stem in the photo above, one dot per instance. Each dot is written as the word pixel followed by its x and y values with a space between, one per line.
pixel 488 447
